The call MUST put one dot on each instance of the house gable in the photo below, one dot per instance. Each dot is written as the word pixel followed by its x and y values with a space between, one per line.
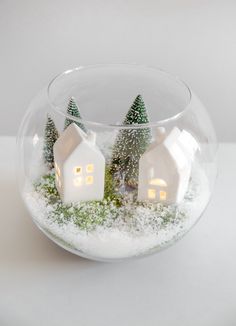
pixel 164 169
pixel 68 141
pixel 84 152
pixel 160 160
pixel 79 166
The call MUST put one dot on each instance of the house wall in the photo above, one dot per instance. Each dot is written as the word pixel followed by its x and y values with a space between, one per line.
pixel 80 186
pixel 161 172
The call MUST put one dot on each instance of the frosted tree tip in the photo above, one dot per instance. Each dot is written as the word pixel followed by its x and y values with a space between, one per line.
pixel 72 101
pixel 73 110
pixel 138 102
pixel 139 98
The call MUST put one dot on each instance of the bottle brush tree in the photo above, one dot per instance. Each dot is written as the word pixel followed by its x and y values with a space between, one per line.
pixel 50 136
pixel 131 144
pixel 73 110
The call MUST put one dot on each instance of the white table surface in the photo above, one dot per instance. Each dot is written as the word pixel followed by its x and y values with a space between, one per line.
pixel 193 283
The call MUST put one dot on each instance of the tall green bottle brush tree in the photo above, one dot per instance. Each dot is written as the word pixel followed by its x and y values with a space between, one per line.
pixel 131 144
pixel 50 136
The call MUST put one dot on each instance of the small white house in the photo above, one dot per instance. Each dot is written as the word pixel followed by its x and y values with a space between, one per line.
pixel 165 167
pixel 79 166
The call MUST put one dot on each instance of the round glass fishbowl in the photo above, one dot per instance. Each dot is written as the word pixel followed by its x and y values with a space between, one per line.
pixel 116 161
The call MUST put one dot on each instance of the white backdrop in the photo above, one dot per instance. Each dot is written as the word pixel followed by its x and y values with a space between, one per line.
pixel 193 39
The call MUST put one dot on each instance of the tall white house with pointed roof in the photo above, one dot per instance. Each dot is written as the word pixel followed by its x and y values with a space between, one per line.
pixel 79 166
pixel 165 167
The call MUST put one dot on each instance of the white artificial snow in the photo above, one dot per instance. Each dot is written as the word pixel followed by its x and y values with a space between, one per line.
pixel 141 232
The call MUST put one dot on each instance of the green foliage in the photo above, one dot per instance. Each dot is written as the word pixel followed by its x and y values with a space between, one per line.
pixel 50 137
pixel 73 110
pixel 111 188
pixel 86 215
pixel 47 187
pixel 131 144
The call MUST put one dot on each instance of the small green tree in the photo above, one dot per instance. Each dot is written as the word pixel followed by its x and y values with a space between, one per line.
pixel 73 110
pixel 50 136
pixel 131 144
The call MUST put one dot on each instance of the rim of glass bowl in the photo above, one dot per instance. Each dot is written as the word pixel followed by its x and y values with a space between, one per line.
pixel 113 125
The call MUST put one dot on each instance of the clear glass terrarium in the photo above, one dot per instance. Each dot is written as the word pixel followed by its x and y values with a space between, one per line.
pixel 116 161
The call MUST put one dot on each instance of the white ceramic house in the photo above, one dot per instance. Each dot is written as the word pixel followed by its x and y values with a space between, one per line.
pixel 79 166
pixel 165 167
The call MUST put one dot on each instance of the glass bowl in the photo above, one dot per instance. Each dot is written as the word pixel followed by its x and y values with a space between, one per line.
pixel 116 160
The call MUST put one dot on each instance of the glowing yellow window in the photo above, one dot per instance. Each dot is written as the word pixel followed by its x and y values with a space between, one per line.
pixel 89 168
pixel 89 180
pixel 78 170
pixel 57 178
pixel 158 182
pixel 58 171
pixel 163 195
pixel 78 181
pixel 151 193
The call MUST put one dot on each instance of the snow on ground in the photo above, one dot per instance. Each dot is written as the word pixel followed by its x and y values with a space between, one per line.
pixel 136 231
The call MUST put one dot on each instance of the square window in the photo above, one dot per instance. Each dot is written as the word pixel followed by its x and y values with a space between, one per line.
pixel 89 168
pixel 78 181
pixel 78 170
pixel 151 193
pixel 89 180
pixel 163 195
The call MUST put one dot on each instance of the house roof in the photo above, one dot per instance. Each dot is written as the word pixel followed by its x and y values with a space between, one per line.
pixel 181 145
pixel 71 138
pixel 172 137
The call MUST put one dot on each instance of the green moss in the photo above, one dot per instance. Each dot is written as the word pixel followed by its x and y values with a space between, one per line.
pixel 86 215
pixel 46 186
pixel 111 191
